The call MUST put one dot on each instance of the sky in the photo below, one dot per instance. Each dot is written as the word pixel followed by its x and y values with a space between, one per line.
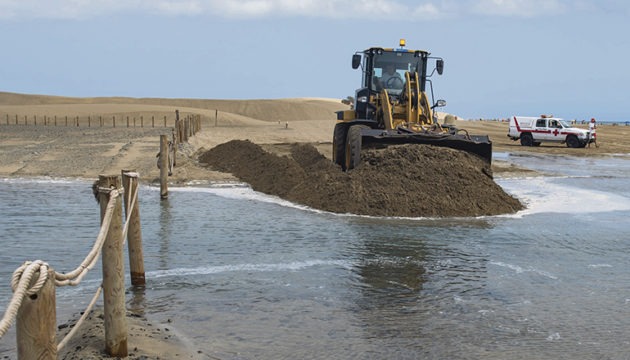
pixel 502 57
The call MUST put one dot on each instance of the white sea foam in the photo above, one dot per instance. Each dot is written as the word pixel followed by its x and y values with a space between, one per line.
pixel 542 195
pixel 519 269
pixel 207 270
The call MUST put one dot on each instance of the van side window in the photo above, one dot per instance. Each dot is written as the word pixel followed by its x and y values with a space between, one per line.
pixel 541 123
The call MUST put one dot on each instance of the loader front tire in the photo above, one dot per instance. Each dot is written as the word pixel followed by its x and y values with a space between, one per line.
pixel 353 147
pixel 339 145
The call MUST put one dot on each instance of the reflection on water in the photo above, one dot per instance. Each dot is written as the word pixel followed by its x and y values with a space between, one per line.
pixel 165 232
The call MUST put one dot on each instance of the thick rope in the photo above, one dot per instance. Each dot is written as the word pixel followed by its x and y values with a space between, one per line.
pixel 76 326
pixel 92 257
pixel 21 288
pixel 23 275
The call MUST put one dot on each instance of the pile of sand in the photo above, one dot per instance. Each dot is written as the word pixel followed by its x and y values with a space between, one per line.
pixel 403 180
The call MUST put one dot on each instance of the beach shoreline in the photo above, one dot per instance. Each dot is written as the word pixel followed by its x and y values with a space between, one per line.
pixel 87 151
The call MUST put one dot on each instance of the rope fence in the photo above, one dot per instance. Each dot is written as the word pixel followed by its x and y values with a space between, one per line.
pixel 33 307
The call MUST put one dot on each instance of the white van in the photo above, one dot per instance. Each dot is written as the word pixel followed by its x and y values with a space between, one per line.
pixel 532 131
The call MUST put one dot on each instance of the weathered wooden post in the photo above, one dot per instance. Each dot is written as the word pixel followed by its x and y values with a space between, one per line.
pixel 164 120
pixel 89 121
pixel 186 128
pixel 152 121
pixel 36 323
pixel 177 126
pixel 127 121
pixel 114 121
pixel 174 142
pixel 134 231
pixel 113 273
pixel 163 166
pixel 216 117
pixel 55 120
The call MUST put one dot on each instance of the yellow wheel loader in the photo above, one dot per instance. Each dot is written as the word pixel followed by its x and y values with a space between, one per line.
pixel 392 107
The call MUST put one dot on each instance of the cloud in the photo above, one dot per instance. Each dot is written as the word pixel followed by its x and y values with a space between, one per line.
pixel 520 8
pixel 403 10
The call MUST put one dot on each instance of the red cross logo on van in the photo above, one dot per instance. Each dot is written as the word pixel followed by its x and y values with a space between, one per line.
pixel 555 132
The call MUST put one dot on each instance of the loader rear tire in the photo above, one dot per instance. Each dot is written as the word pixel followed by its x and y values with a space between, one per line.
pixel 353 147
pixel 339 145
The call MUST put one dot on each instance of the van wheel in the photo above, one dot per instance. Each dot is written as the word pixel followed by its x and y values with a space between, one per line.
pixel 527 139
pixel 573 141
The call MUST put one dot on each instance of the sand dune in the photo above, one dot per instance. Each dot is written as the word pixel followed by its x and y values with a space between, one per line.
pixel 264 109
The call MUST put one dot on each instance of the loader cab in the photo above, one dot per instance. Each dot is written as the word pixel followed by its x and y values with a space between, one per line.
pixel 385 68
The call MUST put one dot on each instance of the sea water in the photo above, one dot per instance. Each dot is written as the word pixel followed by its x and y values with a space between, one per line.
pixel 243 275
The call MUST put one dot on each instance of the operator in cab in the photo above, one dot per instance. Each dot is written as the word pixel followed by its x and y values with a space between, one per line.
pixel 390 78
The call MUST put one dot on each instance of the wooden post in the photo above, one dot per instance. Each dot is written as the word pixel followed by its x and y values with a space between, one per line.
pixel 89 121
pixel 164 120
pixel 163 166
pixel 114 121
pixel 35 120
pixel 113 274
pixel 141 121
pixel 134 231
pixel 216 117
pixel 55 120
pixel 152 121
pixel 177 125
pixel 66 120
pixel 174 141
pixel 127 121
pixel 36 324
pixel 186 128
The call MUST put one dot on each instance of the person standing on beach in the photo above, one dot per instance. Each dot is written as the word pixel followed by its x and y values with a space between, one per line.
pixel 592 128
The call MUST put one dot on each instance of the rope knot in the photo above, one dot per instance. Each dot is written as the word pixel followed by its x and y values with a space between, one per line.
pixel 22 277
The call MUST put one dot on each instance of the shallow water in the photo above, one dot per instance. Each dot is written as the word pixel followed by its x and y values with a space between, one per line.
pixel 247 276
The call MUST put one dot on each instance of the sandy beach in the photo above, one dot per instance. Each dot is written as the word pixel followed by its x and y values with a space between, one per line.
pixel 106 142
pixel 38 147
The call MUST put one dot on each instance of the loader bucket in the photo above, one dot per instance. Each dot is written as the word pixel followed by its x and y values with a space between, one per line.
pixel 479 145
